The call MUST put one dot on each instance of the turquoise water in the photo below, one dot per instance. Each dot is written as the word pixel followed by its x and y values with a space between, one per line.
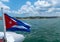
pixel 42 30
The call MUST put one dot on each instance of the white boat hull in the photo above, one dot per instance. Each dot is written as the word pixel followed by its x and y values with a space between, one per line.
pixel 12 37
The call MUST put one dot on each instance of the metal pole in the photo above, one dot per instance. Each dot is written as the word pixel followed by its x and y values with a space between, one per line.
pixel 5 40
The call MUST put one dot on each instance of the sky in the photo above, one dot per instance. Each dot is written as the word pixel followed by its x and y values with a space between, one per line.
pixel 26 8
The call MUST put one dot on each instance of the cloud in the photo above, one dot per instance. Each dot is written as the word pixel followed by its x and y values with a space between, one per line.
pixel 39 7
pixel 55 6
pixel 28 8
pixel 4 0
pixel 50 10
pixel 4 6
pixel 36 8
pixel 42 4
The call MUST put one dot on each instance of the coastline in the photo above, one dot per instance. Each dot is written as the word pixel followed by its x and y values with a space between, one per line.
pixel 37 17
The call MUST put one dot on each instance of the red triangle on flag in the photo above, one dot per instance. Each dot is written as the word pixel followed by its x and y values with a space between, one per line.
pixel 9 22
pixel 1 40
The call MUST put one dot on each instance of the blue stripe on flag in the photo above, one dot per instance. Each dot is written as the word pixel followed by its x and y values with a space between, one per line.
pixel 18 29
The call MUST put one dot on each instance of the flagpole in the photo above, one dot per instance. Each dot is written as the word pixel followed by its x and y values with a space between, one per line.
pixel 5 40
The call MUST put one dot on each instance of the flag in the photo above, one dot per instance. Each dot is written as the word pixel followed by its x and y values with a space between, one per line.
pixel 1 40
pixel 13 24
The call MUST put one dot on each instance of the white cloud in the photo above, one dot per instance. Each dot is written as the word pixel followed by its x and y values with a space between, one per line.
pixel 28 3
pixel 37 8
pixel 5 0
pixel 54 10
pixel 54 2
pixel 42 4
pixel 28 8
pixel 51 10
pixel 4 6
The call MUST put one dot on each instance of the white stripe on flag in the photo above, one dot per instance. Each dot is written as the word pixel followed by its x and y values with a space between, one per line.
pixel 26 24
pixel 21 27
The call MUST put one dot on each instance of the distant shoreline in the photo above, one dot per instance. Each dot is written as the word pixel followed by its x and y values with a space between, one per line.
pixel 37 17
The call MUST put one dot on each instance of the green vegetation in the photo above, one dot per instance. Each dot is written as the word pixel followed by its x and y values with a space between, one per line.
pixel 36 17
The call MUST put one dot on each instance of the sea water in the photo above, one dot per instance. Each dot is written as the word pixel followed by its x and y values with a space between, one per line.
pixel 42 30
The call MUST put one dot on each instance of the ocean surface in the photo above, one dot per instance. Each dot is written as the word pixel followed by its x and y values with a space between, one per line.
pixel 42 30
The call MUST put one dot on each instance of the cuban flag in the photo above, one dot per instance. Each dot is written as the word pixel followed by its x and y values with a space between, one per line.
pixel 13 24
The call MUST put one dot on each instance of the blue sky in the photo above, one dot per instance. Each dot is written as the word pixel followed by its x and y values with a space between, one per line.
pixel 23 8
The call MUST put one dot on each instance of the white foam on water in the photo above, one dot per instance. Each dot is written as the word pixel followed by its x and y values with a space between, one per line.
pixel 12 37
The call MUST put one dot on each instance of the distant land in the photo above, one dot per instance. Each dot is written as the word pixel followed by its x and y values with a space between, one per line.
pixel 35 17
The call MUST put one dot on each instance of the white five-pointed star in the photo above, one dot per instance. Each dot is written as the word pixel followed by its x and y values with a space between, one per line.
pixel 10 22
